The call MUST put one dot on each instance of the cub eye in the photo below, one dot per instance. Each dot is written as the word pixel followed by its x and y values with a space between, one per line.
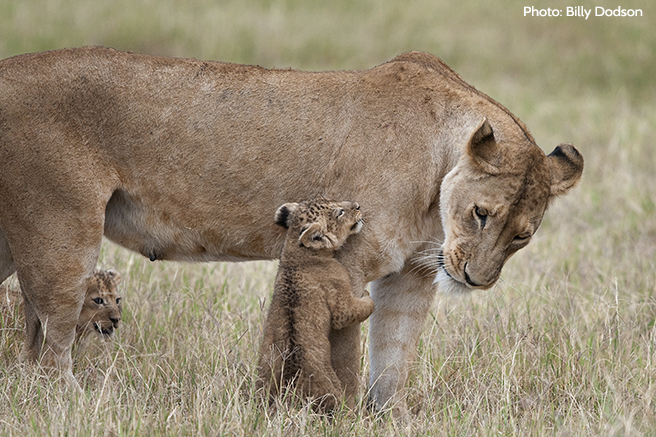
pixel 481 214
pixel 317 237
pixel 118 300
pixel 340 212
pixel 99 300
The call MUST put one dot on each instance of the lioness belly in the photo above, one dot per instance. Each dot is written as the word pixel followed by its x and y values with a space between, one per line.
pixel 155 233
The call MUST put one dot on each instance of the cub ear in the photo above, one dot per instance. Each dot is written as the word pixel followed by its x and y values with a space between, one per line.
pixel 116 276
pixel 565 166
pixel 316 237
pixel 283 213
pixel 483 148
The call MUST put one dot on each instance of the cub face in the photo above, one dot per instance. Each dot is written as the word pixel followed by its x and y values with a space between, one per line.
pixel 102 307
pixel 320 223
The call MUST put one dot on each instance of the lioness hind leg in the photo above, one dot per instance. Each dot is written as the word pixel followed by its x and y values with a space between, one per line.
pixel 53 296
pixel 54 229
pixel 54 262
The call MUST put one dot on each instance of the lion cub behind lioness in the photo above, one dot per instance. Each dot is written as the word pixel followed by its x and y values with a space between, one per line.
pixel 101 311
pixel 312 295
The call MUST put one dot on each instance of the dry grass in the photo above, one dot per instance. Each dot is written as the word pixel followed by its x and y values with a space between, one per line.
pixel 565 345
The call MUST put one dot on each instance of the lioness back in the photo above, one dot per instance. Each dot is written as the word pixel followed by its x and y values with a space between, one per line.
pixel 312 295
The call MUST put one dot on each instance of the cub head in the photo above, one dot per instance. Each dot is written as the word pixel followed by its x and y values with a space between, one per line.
pixel 320 223
pixel 492 202
pixel 102 309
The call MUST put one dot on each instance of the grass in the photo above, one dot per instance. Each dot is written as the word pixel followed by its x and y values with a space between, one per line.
pixel 564 345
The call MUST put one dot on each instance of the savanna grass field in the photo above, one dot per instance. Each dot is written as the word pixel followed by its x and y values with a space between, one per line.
pixel 564 344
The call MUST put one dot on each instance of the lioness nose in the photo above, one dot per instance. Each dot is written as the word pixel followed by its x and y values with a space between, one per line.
pixel 115 319
pixel 479 282
pixel 469 281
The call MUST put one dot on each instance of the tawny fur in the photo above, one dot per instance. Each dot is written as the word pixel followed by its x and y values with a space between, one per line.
pixel 312 297
pixel 180 159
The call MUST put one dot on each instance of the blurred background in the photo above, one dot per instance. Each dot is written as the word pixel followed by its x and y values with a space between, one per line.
pixel 570 332
pixel 485 42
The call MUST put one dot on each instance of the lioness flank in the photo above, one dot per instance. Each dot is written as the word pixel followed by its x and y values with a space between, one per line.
pixel 181 159
pixel 312 296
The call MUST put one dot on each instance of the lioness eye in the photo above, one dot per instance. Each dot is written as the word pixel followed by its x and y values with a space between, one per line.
pixel 481 214
pixel 521 238
pixel 118 300
pixel 99 300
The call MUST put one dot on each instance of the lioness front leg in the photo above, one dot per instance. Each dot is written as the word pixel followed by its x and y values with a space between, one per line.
pixel 403 301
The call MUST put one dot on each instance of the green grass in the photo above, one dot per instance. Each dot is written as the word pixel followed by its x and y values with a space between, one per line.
pixel 564 345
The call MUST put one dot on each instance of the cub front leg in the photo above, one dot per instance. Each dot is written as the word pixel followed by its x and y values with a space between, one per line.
pixel 357 310
pixel 403 301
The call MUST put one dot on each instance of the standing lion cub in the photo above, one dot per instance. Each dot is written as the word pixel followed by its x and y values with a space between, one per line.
pixel 312 296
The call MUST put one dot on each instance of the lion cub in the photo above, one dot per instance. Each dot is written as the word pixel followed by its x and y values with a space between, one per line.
pixel 102 308
pixel 312 295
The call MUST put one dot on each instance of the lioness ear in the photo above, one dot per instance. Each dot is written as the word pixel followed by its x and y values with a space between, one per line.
pixel 283 213
pixel 483 148
pixel 116 276
pixel 315 237
pixel 565 166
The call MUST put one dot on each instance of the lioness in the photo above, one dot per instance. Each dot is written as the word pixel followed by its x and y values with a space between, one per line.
pixel 101 311
pixel 312 296
pixel 181 159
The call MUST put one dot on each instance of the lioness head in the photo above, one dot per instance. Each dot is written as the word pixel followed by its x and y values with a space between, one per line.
pixel 492 203
pixel 320 223
pixel 102 304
